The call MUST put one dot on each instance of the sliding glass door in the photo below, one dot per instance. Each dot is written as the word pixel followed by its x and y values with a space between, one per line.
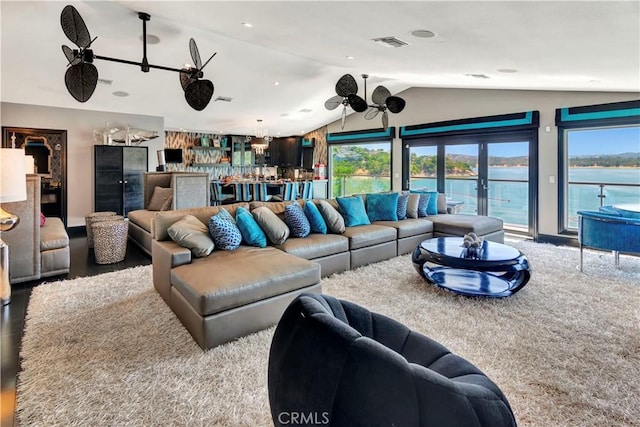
pixel 479 174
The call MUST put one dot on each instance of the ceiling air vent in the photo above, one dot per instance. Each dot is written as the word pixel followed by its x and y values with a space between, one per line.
pixel 222 99
pixel 390 42
pixel 478 76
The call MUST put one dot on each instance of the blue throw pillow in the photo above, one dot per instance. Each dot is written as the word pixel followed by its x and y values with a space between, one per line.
pixel 315 218
pixel 432 208
pixel 353 211
pixel 403 202
pixel 431 202
pixel 251 232
pixel 297 221
pixel 224 231
pixel 382 206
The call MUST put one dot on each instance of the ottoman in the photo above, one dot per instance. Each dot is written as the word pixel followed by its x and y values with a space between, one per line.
pixel 88 220
pixel 110 240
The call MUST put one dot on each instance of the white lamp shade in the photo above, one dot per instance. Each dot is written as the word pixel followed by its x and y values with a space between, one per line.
pixel 13 183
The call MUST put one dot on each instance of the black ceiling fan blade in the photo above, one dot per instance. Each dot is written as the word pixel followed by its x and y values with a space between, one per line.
pixel 210 58
pixel 71 58
pixel 385 120
pixel 346 86
pixel 195 54
pixel 198 94
pixel 74 27
pixel 380 95
pixel 333 102
pixel 358 104
pixel 372 113
pixel 395 104
pixel 81 80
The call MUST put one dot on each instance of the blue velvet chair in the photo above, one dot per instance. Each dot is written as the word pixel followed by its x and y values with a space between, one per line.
pixel 609 231
pixel 335 363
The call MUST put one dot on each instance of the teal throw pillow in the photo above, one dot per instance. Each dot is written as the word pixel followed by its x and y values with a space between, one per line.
pixel 224 231
pixel 316 221
pixel 432 207
pixel 251 232
pixel 428 204
pixel 353 211
pixel 403 202
pixel 297 221
pixel 382 206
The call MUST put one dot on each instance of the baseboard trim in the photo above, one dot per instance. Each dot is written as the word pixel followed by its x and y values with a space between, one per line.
pixel 558 240
pixel 79 231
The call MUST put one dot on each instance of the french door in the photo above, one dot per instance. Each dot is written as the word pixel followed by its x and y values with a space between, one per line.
pixel 480 175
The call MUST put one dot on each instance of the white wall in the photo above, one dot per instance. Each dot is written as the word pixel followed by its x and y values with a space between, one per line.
pixel 428 105
pixel 80 125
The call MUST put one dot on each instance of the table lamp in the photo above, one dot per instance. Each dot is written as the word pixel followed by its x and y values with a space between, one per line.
pixel 13 188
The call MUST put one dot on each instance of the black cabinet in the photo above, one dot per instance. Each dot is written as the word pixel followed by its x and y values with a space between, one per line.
pixel 118 178
pixel 285 152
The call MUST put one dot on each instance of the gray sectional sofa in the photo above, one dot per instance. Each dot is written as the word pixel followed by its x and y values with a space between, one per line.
pixel 189 190
pixel 229 294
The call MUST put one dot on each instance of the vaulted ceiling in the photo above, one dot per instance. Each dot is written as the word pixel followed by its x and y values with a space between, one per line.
pixel 306 46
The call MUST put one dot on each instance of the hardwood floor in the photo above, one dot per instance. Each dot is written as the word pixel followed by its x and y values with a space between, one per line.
pixel 12 319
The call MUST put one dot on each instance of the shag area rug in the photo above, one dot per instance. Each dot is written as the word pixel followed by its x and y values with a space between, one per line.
pixel 565 350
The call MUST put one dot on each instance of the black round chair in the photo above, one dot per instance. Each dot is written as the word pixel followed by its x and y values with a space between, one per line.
pixel 335 363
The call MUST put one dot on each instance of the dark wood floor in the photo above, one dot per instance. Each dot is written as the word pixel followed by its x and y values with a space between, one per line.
pixel 12 319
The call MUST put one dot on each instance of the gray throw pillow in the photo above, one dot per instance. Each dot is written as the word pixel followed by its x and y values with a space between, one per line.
pixel 190 233
pixel 161 199
pixel 276 230
pixel 335 222
pixel 412 205
pixel 442 203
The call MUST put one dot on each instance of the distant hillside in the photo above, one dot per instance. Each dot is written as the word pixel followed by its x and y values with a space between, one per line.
pixel 606 160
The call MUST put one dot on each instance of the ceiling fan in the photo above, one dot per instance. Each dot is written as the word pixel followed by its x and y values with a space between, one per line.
pixel 81 77
pixel 347 90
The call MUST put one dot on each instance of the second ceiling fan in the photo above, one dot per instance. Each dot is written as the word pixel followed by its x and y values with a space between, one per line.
pixel 347 95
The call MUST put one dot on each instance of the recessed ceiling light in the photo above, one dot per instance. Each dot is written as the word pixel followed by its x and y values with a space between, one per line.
pixel 120 93
pixel 507 70
pixel 305 110
pixel 423 34
pixel 351 57
pixel 284 114
pixel 276 83
pixel 105 82
pixel 151 39
pixel 247 24
pixel 594 81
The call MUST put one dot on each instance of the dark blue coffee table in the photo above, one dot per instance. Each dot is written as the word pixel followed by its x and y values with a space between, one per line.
pixel 496 270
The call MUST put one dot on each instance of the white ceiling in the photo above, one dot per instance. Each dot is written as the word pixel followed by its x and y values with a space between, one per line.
pixel 303 45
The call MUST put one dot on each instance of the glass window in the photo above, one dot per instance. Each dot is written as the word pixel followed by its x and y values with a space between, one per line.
pixel 359 168
pixel 602 168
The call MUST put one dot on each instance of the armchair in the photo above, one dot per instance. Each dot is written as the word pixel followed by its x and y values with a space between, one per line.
pixel 608 231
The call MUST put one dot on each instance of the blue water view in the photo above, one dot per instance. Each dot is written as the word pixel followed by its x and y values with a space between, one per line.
pixel 510 200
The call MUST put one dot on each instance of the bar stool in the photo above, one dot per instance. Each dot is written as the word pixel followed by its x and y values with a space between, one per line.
pixel 110 240
pixel 289 191
pixel 242 191
pixel 88 222
pixel 259 191
pixel 306 190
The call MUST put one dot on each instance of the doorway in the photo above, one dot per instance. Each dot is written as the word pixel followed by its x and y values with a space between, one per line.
pixel 484 174
pixel 49 148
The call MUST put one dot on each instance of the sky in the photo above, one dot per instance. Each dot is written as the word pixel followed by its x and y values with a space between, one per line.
pixel 604 141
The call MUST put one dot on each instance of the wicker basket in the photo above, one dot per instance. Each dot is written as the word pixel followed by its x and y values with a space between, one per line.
pixel 88 221
pixel 110 240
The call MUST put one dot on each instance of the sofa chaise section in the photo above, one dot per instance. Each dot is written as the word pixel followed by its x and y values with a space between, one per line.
pixel 228 294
